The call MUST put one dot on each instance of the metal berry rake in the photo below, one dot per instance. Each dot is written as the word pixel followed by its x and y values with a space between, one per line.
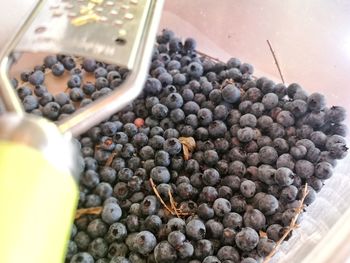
pixel 120 32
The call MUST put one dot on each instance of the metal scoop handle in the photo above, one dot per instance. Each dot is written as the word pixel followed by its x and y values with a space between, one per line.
pixel 137 61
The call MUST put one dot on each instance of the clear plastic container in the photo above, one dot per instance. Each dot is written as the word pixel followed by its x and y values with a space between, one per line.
pixel 311 40
pixel 312 45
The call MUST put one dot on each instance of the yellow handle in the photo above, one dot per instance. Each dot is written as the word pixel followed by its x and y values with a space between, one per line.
pixel 37 205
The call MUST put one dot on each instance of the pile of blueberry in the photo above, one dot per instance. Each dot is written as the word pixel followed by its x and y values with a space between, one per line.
pixel 258 144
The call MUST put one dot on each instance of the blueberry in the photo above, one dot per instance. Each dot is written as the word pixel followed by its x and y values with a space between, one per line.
pixel 336 114
pixel 90 163
pixel 248 260
pixel 174 101
pixel 248 188
pixel 71 250
pixel 211 157
pixel 39 90
pixel 265 246
pixel 221 206
pixel 238 204
pixel 121 190
pixel 233 220
pixel 160 174
pixel 248 120
pixel 268 204
pixel 268 155
pixel 82 240
pixel 205 117
pixel 68 63
pixel 22 92
pixel 228 253
pixel 117 249
pixel 195 69
pixel 165 79
pixel 257 109
pixel 50 60
pixel 288 216
pixel 57 69
pixel 285 118
pixel 172 146
pixel 289 193
pixel 254 218
pixel 316 102
pixel 51 110
pixel 323 170
pixel 298 108
pixel 246 68
pixel 149 205
pixel 270 101
pixel 211 259
pixel 205 212
pixel 68 108
pixel 104 190
pixel 247 239
pixel 98 248
pixel 111 213
pixel 36 78
pixel 211 177
pixel 171 133
pixel 217 129
pixel 214 229
pixel 144 242
pixel 304 169
pixel 230 93
pixel 165 253
pixel 195 229
pixel 203 248
pixel 276 130
pixel 284 176
pixel 116 232
pixel 76 94
pixel 245 135
pixel 153 86
pixel 190 107
pixel 176 239
pixel 128 150
pixel 298 152
pixel 30 103
pixel 116 259
pixel 159 111
pixel 82 257
pixel 265 122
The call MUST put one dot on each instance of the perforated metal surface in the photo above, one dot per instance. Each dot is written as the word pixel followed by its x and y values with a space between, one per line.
pixel 109 31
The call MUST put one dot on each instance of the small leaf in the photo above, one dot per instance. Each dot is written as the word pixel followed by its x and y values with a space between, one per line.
pixel 188 146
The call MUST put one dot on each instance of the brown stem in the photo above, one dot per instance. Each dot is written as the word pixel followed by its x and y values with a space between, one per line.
pixel 88 211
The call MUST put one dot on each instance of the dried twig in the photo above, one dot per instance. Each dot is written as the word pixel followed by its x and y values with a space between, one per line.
pixel 207 56
pixel 172 210
pixel 88 211
pixel 173 203
pixel 276 61
pixel 159 197
pixel 291 227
